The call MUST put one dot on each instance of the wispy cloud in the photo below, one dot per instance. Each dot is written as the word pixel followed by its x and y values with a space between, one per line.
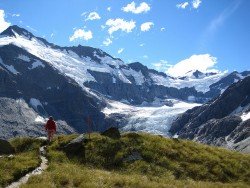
pixel 120 24
pixel 15 15
pixel 81 34
pixel 223 16
pixel 93 16
pixel 182 5
pixel 217 22
pixel 142 44
pixel 196 4
pixel 84 13
pixel 163 29
pixel 31 28
pixel 107 42
pixel 109 9
pixel 161 65
pixel 146 26
pixel 3 23
pixel 142 8
pixel 120 50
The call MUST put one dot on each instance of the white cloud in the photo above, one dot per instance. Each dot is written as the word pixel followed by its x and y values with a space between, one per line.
pixel 120 50
pixel 3 24
pixel 146 26
pixel 109 9
pixel 182 5
pixel 107 42
pixel 143 44
pixel 196 3
pixel 163 29
pixel 81 34
pixel 143 7
pixel 120 24
pixel 15 15
pixel 162 65
pixel 93 16
pixel 84 13
pixel 202 62
pixel 31 28
pixel 145 57
pixel 52 35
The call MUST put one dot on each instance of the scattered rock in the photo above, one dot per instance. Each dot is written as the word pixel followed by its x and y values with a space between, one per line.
pixel 5 147
pixel 134 156
pixel 76 146
pixel 112 133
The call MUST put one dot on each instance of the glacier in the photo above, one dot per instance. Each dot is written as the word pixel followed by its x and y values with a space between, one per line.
pixel 155 119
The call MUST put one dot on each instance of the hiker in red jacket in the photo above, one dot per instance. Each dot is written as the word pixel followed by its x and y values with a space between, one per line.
pixel 50 127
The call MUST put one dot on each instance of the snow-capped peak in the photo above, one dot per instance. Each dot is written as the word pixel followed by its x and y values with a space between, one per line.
pixel 74 62
pixel 84 64
pixel 14 30
pixel 196 74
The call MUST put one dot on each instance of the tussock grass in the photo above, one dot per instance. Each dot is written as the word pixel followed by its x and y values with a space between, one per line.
pixel 72 175
pixel 164 163
pixel 24 160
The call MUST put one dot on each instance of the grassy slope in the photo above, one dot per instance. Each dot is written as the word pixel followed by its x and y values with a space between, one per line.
pixel 165 163
pixel 24 160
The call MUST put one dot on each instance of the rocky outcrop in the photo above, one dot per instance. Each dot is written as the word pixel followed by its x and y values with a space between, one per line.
pixel 134 156
pixel 112 133
pixel 5 147
pixel 76 146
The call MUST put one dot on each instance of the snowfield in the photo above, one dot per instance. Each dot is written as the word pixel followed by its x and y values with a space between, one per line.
pixel 76 67
pixel 154 119
pixel 245 116
pixel 9 67
pixel 201 85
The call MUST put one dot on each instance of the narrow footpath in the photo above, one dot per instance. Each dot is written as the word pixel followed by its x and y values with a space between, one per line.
pixel 39 170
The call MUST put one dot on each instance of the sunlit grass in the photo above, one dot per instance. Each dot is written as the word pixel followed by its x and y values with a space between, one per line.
pixel 164 163
pixel 23 161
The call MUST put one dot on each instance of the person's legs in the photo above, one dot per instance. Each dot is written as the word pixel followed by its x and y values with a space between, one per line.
pixel 50 135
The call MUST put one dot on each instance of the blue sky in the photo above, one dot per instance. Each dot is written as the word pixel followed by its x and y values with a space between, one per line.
pixel 207 34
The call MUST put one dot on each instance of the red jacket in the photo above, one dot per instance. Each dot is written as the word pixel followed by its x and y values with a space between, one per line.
pixel 50 125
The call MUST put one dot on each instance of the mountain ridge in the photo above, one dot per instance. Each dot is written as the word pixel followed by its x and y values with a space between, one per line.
pixel 219 122
pixel 36 70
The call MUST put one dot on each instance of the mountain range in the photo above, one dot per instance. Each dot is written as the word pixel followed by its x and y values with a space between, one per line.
pixel 38 79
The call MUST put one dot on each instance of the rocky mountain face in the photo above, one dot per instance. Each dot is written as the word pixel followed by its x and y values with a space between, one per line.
pixel 45 90
pixel 224 121
pixel 18 118
pixel 94 69
pixel 147 84
pixel 74 83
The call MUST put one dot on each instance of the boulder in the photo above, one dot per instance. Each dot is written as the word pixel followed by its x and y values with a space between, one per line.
pixel 134 156
pixel 112 133
pixel 5 147
pixel 76 146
